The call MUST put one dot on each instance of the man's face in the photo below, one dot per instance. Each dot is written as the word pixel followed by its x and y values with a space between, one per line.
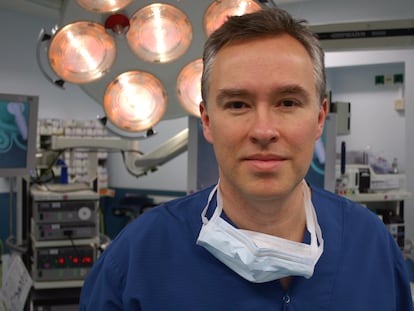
pixel 263 116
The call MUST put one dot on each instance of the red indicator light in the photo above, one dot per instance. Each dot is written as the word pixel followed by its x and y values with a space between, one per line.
pixel 87 260
pixel 75 260
pixel 61 260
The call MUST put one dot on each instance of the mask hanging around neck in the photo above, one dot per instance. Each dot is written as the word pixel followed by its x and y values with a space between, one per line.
pixel 260 257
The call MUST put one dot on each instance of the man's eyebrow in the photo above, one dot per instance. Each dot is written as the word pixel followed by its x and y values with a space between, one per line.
pixel 291 89
pixel 223 94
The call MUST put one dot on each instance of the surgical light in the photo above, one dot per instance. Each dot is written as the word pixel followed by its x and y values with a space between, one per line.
pixel 218 11
pixel 129 55
pixel 103 6
pixel 159 33
pixel 189 86
pixel 135 101
pixel 82 52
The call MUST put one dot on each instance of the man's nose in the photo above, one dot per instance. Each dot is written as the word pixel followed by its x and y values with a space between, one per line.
pixel 264 127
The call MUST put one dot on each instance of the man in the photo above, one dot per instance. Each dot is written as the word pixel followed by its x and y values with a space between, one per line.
pixel 262 239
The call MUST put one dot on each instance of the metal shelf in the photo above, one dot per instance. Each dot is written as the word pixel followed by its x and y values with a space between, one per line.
pixel 57 284
pixel 380 196
pixel 57 243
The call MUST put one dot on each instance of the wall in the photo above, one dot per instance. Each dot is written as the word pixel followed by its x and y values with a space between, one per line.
pixel 336 11
pixel 356 84
pixel 390 133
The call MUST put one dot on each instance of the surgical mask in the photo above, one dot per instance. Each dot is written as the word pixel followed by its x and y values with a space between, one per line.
pixel 260 257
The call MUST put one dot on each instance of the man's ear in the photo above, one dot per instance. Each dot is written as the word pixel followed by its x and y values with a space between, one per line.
pixel 323 110
pixel 205 120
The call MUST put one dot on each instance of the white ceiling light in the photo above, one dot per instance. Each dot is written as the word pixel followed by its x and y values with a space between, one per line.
pixel 189 87
pixel 135 101
pixel 103 6
pixel 219 11
pixel 81 52
pixel 159 33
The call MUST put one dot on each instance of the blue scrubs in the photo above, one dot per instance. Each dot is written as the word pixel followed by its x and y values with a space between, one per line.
pixel 154 264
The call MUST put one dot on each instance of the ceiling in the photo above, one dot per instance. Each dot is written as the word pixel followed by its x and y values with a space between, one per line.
pixel 42 8
pixel 50 8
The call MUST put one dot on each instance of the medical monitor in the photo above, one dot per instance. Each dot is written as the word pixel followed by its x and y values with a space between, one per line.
pixel 18 134
pixel 321 172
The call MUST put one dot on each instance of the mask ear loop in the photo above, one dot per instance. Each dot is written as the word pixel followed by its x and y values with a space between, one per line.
pixel 204 212
pixel 312 224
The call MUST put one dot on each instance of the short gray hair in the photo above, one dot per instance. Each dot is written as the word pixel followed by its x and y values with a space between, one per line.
pixel 264 23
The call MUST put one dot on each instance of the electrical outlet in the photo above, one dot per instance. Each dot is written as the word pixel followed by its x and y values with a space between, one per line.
pixel 379 80
pixel 388 79
pixel 399 104
pixel 399 78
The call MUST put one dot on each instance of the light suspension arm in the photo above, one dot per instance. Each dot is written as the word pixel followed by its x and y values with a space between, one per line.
pixel 135 161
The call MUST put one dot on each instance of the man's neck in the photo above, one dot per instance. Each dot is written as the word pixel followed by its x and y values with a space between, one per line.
pixel 283 218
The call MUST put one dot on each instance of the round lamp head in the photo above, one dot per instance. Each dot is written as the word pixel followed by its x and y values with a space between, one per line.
pixel 82 52
pixel 159 33
pixel 189 86
pixel 103 6
pixel 219 11
pixel 135 101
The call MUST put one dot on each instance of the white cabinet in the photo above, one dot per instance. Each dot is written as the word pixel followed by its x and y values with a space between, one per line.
pixel 389 206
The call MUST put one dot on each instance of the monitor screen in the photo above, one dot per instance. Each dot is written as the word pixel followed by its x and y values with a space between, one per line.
pixel 18 134
pixel 321 172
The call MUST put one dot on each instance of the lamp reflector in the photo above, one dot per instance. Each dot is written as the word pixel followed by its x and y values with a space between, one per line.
pixel 82 52
pixel 135 101
pixel 103 6
pixel 217 13
pixel 189 86
pixel 159 33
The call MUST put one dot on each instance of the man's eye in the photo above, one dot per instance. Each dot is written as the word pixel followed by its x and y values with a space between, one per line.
pixel 289 103
pixel 236 105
